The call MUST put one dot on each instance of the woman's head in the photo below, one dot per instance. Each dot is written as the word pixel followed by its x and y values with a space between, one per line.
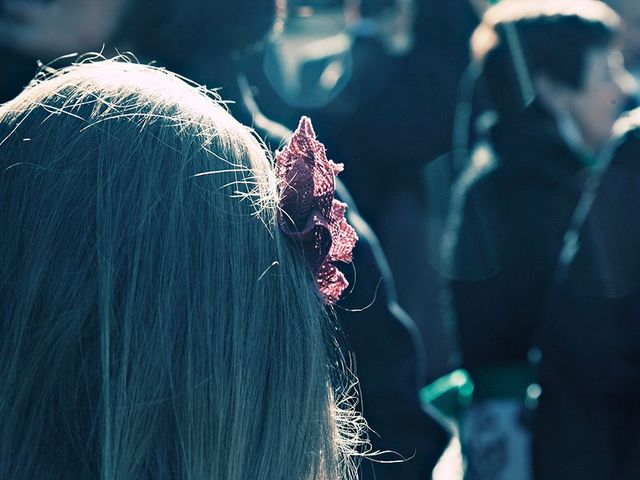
pixel 153 322
pixel 565 52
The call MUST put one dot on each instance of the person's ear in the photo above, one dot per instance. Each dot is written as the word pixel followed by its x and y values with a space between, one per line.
pixel 551 93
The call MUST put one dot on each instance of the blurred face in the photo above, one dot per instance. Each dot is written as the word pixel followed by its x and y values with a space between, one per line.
pixel 604 93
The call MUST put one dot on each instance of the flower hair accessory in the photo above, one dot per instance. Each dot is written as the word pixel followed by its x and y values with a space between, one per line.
pixel 309 213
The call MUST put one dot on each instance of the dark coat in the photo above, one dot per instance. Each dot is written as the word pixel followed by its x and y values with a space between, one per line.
pixel 594 316
pixel 509 212
pixel 590 370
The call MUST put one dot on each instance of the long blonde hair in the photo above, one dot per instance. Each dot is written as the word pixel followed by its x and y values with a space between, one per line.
pixel 153 322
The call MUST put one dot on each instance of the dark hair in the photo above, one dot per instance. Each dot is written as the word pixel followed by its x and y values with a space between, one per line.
pixel 553 38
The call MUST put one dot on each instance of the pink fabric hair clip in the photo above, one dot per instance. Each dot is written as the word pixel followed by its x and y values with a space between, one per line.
pixel 309 214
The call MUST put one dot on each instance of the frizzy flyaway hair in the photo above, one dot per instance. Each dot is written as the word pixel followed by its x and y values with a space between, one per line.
pixel 153 321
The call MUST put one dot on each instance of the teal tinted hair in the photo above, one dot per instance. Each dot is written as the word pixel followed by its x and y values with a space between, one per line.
pixel 153 322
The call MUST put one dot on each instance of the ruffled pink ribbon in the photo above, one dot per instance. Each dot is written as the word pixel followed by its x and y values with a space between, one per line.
pixel 309 213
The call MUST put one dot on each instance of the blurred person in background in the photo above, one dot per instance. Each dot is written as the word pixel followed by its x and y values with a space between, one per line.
pixel 199 39
pixel 370 68
pixel 408 120
pixel 223 45
pixel 590 369
pixel 555 84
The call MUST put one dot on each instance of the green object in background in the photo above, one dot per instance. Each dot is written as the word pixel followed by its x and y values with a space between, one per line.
pixel 449 395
